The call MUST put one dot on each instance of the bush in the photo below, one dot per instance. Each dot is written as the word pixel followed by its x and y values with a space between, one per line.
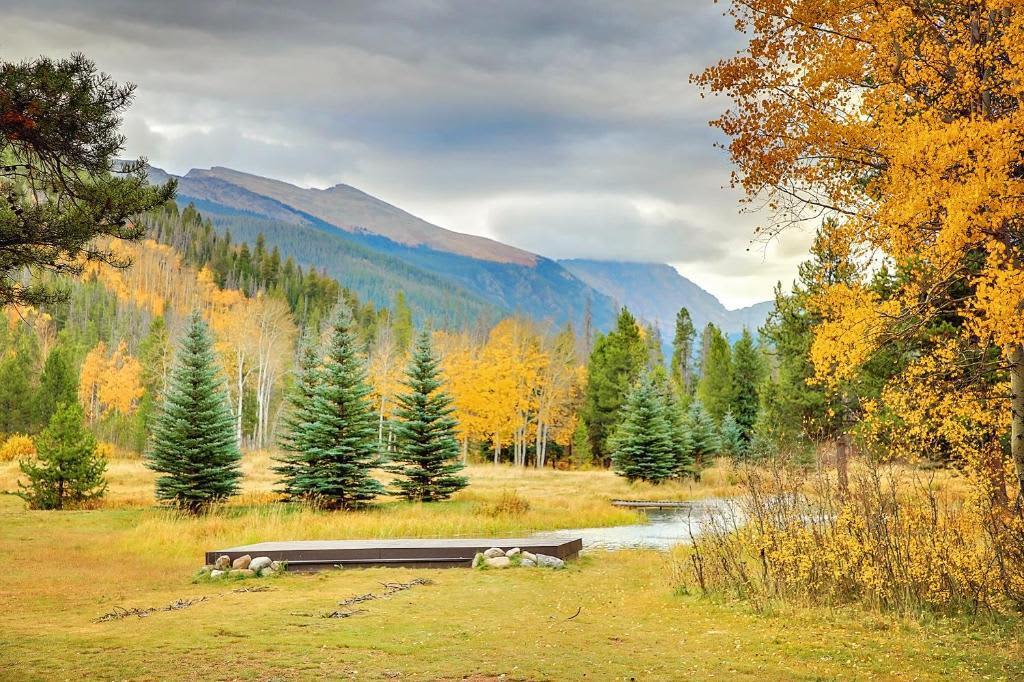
pixel 509 503
pixel 18 446
pixel 896 541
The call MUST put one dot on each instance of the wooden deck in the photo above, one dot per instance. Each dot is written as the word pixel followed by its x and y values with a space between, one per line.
pixel 651 504
pixel 315 555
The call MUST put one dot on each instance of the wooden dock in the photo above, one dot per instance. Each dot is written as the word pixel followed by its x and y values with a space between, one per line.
pixel 315 555
pixel 652 504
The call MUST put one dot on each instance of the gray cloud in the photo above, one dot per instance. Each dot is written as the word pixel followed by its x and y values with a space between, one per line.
pixel 566 127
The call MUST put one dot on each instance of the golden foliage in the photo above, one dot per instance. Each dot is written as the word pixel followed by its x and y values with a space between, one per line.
pixel 17 447
pixel 110 384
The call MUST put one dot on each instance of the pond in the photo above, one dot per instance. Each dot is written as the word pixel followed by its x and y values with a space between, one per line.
pixel 664 528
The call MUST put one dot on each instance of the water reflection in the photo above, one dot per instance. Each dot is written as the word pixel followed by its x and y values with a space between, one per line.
pixel 664 528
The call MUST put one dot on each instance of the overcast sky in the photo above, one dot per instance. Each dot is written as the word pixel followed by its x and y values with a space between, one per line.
pixel 566 128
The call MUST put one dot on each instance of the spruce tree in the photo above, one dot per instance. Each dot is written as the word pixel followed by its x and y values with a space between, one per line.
pixel 295 466
pixel 704 441
pixel 715 389
pixel 58 384
pixel 332 435
pixel 682 353
pixel 193 442
pixel 642 447
pixel 733 441
pixel 682 441
pixel 426 457
pixel 748 373
pixel 68 471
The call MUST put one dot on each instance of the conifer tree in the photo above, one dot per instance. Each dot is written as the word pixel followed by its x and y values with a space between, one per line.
pixel 703 435
pixel 332 437
pixel 642 447
pixel 748 373
pixel 294 468
pixel 582 456
pixel 68 471
pixel 682 353
pixel 193 442
pixel 58 384
pixel 733 441
pixel 715 387
pixel 426 457
pixel 682 441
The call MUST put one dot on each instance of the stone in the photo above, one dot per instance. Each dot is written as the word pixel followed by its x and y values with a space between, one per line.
pixel 528 556
pixel 241 573
pixel 266 572
pixel 493 552
pixel 549 561
pixel 515 551
pixel 205 569
pixel 260 563
pixel 217 573
pixel 277 565
pixel 223 562
pixel 242 562
pixel 498 562
pixel 479 560
pixel 528 563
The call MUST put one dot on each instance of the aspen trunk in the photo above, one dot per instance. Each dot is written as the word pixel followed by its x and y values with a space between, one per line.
pixel 1016 358
pixel 842 463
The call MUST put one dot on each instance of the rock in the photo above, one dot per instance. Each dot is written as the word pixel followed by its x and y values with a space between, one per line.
pixel 217 573
pixel 242 562
pixel 549 561
pixel 241 573
pixel 528 563
pixel 528 556
pixel 479 560
pixel 498 562
pixel 260 563
pixel 493 552
pixel 515 551
pixel 277 565
pixel 266 572
pixel 205 569
pixel 222 563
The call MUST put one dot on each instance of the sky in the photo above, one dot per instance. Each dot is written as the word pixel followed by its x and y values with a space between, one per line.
pixel 567 128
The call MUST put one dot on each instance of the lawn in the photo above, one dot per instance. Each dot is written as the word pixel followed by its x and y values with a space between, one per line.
pixel 609 616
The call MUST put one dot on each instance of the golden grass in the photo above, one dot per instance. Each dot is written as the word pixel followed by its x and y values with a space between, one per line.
pixel 67 568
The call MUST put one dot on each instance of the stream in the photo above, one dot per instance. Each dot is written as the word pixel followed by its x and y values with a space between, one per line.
pixel 664 528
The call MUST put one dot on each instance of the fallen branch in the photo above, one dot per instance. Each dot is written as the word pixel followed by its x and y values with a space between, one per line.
pixel 120 612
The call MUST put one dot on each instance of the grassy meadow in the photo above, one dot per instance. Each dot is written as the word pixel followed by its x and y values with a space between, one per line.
pixel 609 616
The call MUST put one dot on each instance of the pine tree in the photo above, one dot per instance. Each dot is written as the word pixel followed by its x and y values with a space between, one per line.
pixel 426 457
pixel 295 466
pixel 715 387
pixel 15 386
pixel 615 364
pixel 68 471
pixel 682 353
pixel 703 435
pixel 58 384
pixel 682 440
pixel 193 441
pixel 332 431
pixel 642 447
pixel 748 373
pixel 733 441
pixel 582 456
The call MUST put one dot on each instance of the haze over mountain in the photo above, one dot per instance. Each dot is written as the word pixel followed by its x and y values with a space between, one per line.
pixel 378 249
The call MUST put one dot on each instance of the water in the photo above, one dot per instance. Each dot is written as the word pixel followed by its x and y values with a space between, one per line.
pixel 664 528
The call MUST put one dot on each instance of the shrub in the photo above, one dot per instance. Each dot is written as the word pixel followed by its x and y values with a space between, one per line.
pixel 17 446
pixel 509 503
pixel 895 541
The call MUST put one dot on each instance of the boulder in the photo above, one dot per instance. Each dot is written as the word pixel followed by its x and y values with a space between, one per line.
pixel 528 563
pixel 498 562
pixel 276 565
pixel 515 551
pixel 205 569
pixel 216 573
pixel 549 561
pixel 528 556
pixel 241 573
pixel 493 552
pixel 242 562
pixel 266 572
pixel 223 562
pixel 260 563
pixel 479 560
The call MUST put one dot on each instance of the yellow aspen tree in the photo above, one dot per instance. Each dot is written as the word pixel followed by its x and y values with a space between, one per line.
pixel 94 369
pixel 120 386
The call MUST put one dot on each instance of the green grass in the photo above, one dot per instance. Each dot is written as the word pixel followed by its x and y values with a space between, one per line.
pixel 64 569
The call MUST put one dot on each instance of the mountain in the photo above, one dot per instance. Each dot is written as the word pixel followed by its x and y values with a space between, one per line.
pixel 656 292
pixel 348 232
pixel 377 249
